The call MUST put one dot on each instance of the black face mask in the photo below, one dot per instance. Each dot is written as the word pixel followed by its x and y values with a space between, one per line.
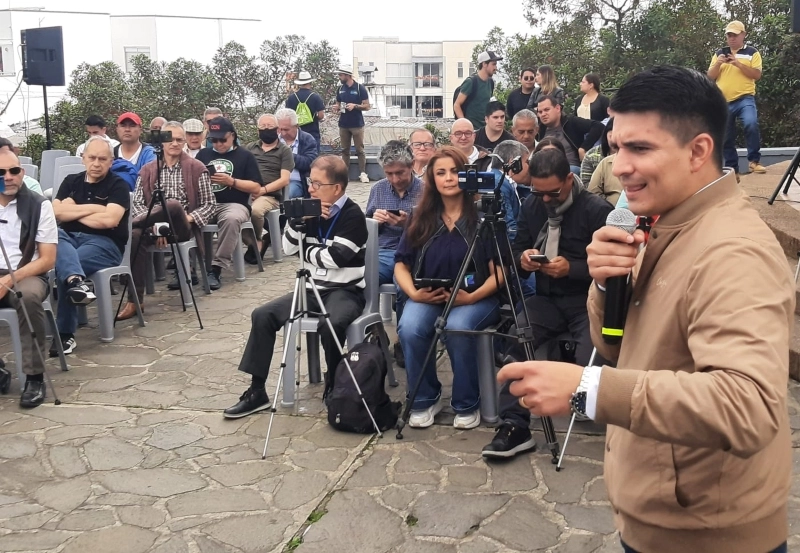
pixel 268 136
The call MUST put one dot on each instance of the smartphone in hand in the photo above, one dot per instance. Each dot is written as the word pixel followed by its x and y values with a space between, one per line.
pixel 539 258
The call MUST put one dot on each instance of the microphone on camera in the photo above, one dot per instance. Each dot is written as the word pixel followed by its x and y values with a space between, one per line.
pixel 616 308
pixel 161 229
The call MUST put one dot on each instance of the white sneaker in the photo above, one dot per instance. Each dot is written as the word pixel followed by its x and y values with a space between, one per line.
pixel 364 178
pixel 423 418
pixel 467 421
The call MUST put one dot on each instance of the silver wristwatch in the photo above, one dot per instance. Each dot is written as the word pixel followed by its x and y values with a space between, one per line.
pixel 577 402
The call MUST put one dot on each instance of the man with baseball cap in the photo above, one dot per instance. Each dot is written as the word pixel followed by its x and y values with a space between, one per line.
pixel 736 68
pixel 194 136
pixel 129 130
pixel 312 100
pixel 476 91
pixel 234 178
pixel 351 100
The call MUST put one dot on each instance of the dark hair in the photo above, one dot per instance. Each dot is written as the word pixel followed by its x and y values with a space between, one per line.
pixel 6 143
pixel 549 141
pixel 526 70
pixel 594 80
pixel 95 121
pixel 428 213
pixel 548 97
pixel 605 148
pixel 334 168
pixel 687 102
pixel 547 163
pixel 494 106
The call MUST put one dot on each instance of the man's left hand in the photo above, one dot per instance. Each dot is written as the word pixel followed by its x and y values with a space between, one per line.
pixel 5 285
pixel 545 386
pixel 383 216
pixel 557 268
pixel 222 178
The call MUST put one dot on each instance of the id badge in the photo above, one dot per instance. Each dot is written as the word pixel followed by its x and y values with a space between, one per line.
pixel 320 272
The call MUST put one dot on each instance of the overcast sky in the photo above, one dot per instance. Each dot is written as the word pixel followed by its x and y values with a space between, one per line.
pixel 339 23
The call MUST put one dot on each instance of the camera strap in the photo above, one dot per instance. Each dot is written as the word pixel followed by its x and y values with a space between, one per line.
pixel 330 228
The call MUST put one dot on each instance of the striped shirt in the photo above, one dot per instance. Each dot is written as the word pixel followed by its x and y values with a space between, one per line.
pixel 334 249
pixel 172 183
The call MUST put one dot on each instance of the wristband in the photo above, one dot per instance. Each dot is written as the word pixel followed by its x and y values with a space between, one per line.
pixel 601 288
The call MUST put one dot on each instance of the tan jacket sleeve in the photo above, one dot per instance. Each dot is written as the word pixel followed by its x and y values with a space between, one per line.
pixel 739 309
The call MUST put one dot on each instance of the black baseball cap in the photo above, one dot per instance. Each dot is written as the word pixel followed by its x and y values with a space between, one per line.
pixel 219 127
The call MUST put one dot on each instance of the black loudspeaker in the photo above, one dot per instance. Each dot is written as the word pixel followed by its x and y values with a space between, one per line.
pixel 796 16
pixel 43 56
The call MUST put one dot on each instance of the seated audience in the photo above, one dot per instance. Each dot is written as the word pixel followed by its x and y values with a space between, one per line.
pixel 462 137
pixel 334 246
pixel 505 152
pixel 423 144
pixel 591 104
pixel 30 183
pixel 95 126
pixel 195 136
pixel 575 134
pixel 91 208
pixel 524 127
pixel 304 149
pixel 594 156
pixel 558 221
pixel 434 245
pixel 494 131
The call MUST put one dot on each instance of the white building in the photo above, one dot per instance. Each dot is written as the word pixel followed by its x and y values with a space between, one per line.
pixel 412 79
pixel 92 38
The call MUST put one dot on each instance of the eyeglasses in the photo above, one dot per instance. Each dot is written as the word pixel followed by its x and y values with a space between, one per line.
pixel 12 170
pixel 217 140
pixel 538 194
pixel 463 134
pixel 179 140
pixel 422 145
pixel 318 185
pixel 528 78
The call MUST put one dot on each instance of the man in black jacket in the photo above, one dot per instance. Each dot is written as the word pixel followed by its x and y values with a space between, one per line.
pixel 577 135
pixel 557 220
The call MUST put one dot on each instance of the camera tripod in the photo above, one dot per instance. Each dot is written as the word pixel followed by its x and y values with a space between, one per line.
pixel 299 310
pixel 787 178
pixel 491 227
pixel 180 266
pixel 36 345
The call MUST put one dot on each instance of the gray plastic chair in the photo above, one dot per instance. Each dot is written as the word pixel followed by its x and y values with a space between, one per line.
pixel 274 224
pixel 387 292
pixel 26 160
pixel 30 170
pixel 238 253
pixel 356 332
pixel 63 171
pixel 106 306
pixel 184 249
pixel 48 167
pixel 8 316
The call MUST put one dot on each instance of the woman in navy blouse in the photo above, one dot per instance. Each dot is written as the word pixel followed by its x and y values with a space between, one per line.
pixel 433 246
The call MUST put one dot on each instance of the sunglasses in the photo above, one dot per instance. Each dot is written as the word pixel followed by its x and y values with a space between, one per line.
pixel 528 78
pixel 538 194
pixel 13 171
pixel 218 140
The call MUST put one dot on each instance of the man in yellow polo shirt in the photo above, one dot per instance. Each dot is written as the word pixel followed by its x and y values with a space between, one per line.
pixel 736 68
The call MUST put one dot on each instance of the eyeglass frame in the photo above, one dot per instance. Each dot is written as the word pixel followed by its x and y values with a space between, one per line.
pixel 463 134
pixel 540 194
pixel 423 145
pixel 317 185
pixel 11 171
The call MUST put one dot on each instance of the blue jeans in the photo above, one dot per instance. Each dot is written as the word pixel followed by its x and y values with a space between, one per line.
pixel 779 549
pixel 79 254
pixel 386 276
pixel 416 333
pixel 745 109
pixel 296 189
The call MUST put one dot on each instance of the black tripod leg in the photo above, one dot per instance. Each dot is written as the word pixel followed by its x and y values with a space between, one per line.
pixel 787 178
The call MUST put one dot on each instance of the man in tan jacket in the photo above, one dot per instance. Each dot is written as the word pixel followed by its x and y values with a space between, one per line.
pixel 698 452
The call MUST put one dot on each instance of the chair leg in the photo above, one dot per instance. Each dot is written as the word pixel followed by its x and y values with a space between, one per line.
pixel 386 307
pixel 274 224
pixel 208 242
pixel 105 308
pixel 51 319
pixel 16 343
pixel 201 262
pixel 186 281
pixel 384 342
pixel 137 304
pixel 238 260
pixel 150 278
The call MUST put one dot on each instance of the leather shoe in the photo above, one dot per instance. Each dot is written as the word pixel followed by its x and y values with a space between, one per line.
pixel 129 311
pixel 5 380
pixel 252 401
pixel 175 284
pixel 33 394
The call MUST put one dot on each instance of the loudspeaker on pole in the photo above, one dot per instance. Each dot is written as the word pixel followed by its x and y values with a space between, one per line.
pixel 43 56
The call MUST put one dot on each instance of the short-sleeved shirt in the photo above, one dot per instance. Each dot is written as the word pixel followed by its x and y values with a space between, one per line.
pixel 11 232
pixel 355 94
pixel 483 141
pixel 270 163
pixel 110 190
pixel 384 196
pixel 238 163
pixel 731 81
pixel 478 98
pixel 314 103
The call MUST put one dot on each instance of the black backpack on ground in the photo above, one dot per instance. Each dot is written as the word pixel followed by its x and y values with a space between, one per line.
pixel 474 78
pixel 345 409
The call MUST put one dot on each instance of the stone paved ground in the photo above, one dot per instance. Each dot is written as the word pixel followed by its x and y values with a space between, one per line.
pixel 139 458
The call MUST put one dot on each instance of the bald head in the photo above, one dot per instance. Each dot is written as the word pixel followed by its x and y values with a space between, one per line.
pixel 462 136
pixel 267 121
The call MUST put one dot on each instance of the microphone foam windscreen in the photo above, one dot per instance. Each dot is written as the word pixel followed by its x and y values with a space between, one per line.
pixel 622 219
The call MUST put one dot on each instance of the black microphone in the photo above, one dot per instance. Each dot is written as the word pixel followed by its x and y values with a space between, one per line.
pixel 616 307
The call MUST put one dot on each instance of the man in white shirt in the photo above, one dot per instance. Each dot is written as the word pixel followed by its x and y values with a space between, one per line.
pixel 29 233
pixel 96 126
pixel 195 136
pixel 129 130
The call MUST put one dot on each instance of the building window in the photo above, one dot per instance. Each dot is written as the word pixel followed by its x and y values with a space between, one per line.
pixel 404 102
pixel 429 75
pixel 131 51
pixel 430 107
pixel 472 69
pixel 461 70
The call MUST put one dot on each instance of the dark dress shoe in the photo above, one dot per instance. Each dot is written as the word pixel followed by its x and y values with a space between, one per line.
pixel 5 380
pixel 129 311
pixel 214 281
pixel 250 256
pixel 33 394
pixel 251 402
pixel 175 284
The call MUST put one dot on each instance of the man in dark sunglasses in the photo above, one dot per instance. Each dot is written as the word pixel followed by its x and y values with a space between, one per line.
pixel 518 98
pixel 557 221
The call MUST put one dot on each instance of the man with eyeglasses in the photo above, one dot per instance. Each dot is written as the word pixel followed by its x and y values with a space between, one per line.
pixel 518 98
pixel 557 220
pixel 92 212
pixel 190 203
pixel 334 246
pixel 30 235
pixel 423 145
pixel 235 177
pixel 462 136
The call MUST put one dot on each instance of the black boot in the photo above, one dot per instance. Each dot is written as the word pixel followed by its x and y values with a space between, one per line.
pixel 252 401
pixel 175 284
pixel 33 394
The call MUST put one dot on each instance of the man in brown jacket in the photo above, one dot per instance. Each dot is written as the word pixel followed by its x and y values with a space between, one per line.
pixel 698 452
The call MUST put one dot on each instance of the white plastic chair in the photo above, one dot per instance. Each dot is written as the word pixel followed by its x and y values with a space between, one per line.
pixel 30 170
pixel 62 172
pixel 48 167
pixel 238 252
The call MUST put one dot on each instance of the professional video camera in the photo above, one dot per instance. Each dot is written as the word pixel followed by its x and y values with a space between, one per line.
pixel 302 208
pixel 472 181
pixel 157 138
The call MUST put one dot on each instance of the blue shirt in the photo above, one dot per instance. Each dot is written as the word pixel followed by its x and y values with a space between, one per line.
pixel 384 196
pixel 355 94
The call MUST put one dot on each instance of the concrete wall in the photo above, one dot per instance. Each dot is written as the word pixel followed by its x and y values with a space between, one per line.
pixel 769 156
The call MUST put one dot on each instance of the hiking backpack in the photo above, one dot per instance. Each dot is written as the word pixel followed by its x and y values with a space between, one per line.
pixel 345 409
pixel 304 115
pixel 474 79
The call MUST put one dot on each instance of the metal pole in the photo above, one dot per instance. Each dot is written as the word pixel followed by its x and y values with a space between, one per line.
pixel 47 120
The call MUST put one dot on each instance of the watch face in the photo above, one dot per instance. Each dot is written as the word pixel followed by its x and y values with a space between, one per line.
pixel 578 402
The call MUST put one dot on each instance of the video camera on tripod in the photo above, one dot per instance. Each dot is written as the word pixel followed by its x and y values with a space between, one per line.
pixel 157 139
pixel 487 185
pixel 298 209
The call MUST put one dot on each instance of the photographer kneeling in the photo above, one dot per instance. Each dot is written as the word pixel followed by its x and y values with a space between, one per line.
pixel 334 247
pixel 433 246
